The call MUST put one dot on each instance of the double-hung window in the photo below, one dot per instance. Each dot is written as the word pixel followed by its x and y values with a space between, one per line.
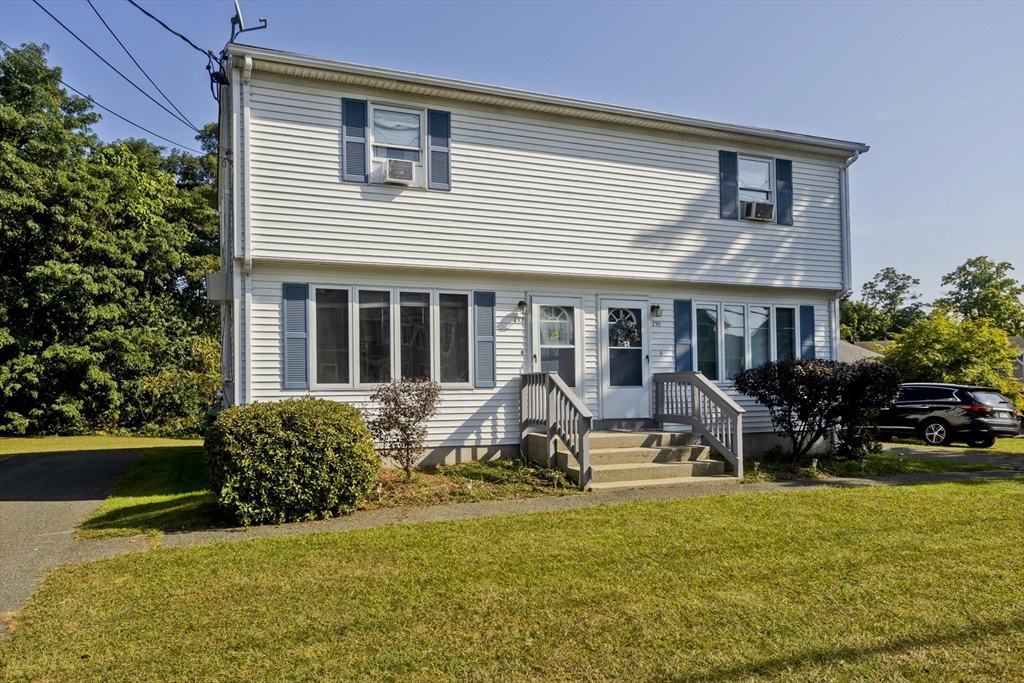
pixel 755 180
pixel 397 133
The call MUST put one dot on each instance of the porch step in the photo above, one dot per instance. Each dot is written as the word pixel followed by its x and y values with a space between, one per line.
pixel 641 454
pixel 645 471
pixel 667 481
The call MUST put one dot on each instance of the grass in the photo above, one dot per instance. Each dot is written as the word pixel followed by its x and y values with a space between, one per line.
pixel 98 442
pixel 165 490
pixel 466 483
pixel 878 465
pixel 907 583
pixel 1000 447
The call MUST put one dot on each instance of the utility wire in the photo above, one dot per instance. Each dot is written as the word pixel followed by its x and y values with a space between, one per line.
pixel 139 7
pixel 154 100
pixel 130 56
pixel 5 46
pixel 127 120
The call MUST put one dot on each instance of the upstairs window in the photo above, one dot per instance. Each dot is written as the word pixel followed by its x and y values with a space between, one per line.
pixel 396 134
pixel 755 180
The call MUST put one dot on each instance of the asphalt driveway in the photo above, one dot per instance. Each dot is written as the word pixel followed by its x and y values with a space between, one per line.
pixel 43 497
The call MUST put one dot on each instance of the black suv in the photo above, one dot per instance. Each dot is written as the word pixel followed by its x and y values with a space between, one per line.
pixel 939 413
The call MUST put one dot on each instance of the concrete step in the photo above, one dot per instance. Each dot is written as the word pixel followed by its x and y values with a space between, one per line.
pixel 608 440
pixel 623 456
pixel 667 481
pixel 648 471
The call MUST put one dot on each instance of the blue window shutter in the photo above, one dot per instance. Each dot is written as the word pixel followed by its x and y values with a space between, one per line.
pixel 483 315
pixel 353 140
pixel 684 335
pixel 729 183
pixel 295 365
pixel 807 332
pixel 784 192
pixel 439 149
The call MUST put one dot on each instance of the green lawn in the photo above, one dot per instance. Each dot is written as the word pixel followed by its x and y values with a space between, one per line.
pixel 907 583
pixel 165 490
pixel 878 465
pixel 1000 447
pixel 52 444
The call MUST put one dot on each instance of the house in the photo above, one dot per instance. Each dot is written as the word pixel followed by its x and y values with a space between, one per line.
pixel 851 353
pixel 558 265
pixel 1018 367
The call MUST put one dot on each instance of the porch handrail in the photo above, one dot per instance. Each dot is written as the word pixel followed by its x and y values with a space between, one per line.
pixel 545 400
pixel 691 398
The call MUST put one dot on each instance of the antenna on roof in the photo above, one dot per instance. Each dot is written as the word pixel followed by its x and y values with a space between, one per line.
pixel 238 26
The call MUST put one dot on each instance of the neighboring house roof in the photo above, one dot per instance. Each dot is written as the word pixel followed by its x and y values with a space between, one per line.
pixel 291 64
pixel 850 353
pixel 876 346
pixel 1018 342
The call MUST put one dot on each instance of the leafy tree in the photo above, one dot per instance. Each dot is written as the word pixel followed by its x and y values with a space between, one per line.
pixel 860 321
pixel 867 387
pixel 943 347
pixel 102 319
pixel 982 288
pixel 888 306
pixel 890 290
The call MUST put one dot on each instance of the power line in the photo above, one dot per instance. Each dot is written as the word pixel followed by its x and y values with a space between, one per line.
pixel 130 56
pixel 127 120
pixel 134 85
pixel 139 7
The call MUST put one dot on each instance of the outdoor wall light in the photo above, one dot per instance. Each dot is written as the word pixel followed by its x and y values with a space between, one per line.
pixel 655 311
pixel 522 308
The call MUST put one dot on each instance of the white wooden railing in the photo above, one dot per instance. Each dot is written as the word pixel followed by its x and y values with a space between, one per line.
pixel 545 400
pixel 690 398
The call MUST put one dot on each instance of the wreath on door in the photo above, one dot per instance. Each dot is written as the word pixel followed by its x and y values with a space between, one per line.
pixel 622 332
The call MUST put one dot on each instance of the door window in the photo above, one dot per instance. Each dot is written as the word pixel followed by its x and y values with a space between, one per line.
pixel 707 341
pixel 556 327
pixel 625 347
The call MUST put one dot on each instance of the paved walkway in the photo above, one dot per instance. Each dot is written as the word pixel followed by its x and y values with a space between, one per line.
pixel 43 498
pixel 977 456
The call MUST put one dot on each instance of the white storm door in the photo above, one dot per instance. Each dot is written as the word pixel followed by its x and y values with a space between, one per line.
pixel 557 339
pixel 625 364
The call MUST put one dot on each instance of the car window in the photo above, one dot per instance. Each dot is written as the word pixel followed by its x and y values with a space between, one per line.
pixel 910 394
pixel 988 398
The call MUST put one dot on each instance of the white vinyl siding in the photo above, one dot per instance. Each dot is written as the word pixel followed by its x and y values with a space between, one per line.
pixel 530 194
pixel 471 416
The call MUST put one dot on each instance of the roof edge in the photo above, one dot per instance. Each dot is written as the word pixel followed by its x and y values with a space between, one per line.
pixel 316 68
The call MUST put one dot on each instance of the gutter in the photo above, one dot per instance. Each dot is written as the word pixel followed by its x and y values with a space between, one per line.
pixel 847 278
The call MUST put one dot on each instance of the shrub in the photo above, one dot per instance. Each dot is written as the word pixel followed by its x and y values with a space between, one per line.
pixel 801 397
pixel 291 460
pixel 399 423
pixel 807 399
pixel 867 388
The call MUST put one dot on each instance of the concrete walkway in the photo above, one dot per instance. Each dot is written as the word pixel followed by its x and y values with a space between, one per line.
pixel 976 456
pixel 44 497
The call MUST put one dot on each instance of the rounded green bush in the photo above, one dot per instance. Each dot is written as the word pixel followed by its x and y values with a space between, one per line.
pixel 291 460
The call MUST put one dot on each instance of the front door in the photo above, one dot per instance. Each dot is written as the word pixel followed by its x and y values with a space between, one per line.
pixel 558 339
pixel 625 376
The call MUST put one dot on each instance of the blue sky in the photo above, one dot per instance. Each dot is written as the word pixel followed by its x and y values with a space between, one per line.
pixel 937 89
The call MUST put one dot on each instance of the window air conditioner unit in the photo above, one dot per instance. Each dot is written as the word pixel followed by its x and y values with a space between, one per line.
pixel 398 171
pixel 758 211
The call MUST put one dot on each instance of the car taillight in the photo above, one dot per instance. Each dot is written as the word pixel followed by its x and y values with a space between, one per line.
pixel 977 410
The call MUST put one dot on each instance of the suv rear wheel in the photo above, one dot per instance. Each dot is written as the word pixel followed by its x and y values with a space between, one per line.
pixel 936 433
pixel 981 441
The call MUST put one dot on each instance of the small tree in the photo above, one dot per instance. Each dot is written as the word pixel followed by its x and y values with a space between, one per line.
pixel 868 387
pixel 399 423
pixel 802 398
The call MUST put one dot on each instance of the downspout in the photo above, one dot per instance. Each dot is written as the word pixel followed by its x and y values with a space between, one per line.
pixel 236 235
pixel 847 265
pixel 247 224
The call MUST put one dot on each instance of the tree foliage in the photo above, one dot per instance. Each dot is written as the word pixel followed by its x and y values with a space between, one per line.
pixel 944 347
pixel 984 289
pixel 868 387
pixel 888 305
pixel 102 253
pixel 399 421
